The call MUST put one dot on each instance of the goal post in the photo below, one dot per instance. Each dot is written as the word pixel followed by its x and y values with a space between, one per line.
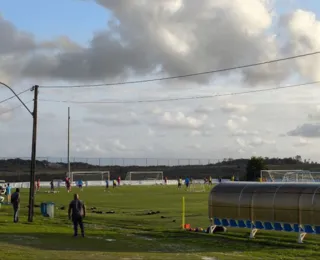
pixel 90 176
pixel 155 177
pixel 286 176
pixel 197 187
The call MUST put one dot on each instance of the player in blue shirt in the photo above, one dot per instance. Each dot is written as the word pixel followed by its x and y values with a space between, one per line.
pixel 8 193
pixel 187 182
pixel 80 184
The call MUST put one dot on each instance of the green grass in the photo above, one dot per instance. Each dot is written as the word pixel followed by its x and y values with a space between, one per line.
pixel 131 234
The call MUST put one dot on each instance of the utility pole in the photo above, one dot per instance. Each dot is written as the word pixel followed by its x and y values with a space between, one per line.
pixel 34 115
pixel 33 153
pixel 69 170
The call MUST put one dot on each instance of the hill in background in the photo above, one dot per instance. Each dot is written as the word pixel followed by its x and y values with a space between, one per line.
pixel 18 169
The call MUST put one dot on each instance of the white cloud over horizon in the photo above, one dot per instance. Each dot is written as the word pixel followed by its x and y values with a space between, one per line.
pixel 147 39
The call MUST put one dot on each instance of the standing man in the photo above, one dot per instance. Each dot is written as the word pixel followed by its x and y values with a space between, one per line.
pixel 51 186
pixel 8 193
pixel 76 213
pixel 107 184
pixel 179 182
pixel 15 201
pixel 187 182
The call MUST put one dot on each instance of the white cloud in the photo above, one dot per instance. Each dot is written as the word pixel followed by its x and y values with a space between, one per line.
pixel 115 120
pixel 240 118
pixel 180 120
pixel 315 116
pixel 302 142
pixel 88 146
pixel 194 146
pixel 169 43
pixel 5 113
pixel 235 124
pixel 153 133
pixel 232 125
pixel 157 111
pixel 204 110
pixel 256 141
pixel 303 29
pixel 233 108
pixel 241 132
pixel 241 142
pixel 118 145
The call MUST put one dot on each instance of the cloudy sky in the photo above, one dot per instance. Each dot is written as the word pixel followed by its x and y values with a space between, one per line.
pixel 82 42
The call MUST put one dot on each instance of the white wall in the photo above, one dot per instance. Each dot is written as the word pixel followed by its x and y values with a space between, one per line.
pixel 102 183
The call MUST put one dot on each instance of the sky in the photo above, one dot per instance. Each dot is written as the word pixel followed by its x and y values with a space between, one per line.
pixel 84 42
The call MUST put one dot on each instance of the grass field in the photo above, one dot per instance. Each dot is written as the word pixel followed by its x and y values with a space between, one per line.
pixel 132 234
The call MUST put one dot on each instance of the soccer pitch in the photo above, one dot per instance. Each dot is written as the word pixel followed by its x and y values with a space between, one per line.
pixel 130 233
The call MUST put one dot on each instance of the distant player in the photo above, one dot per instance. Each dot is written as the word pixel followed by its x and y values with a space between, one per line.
pixel 80 185
pixel 15 201
pixel 210 180
pixel 8 193
pixel 51 186
pixel 179 183
pixel 232 178
pixel 187 182
pixel 107 184
pixel 165 180
pixel 114 183
pixel 68 184
pixel 119 180
pixel 38 185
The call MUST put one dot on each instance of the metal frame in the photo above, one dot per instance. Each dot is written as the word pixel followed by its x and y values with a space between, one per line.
pixel 280 171
pixel 144 172
pixel 244 201
pixel 91 173
pixel 193 185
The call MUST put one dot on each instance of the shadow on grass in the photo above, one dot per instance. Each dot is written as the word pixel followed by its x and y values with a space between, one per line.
pixel 166 242
pixel 237 241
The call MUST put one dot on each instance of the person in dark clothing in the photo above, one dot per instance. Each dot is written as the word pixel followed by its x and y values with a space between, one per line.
pixel 15 201
pixel 51 186
pixel 76 213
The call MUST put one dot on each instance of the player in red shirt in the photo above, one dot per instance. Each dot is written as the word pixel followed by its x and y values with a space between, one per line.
pixel 119 180
pixel 68 184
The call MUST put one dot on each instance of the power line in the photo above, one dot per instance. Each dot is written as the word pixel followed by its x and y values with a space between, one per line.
pixel 9 98
pixel 184 76
pixel 14 108
pixel 181 98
